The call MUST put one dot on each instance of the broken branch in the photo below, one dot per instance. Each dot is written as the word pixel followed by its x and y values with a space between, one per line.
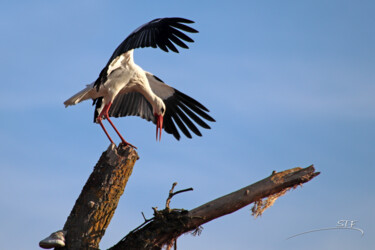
pixel 168 225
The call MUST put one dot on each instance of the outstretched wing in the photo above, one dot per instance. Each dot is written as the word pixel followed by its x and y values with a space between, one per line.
pixel 161 32
pixel 181 110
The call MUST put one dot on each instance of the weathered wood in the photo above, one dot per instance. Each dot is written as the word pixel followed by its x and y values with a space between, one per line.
pixel 168 224
pixel 271 185
pixel 99 197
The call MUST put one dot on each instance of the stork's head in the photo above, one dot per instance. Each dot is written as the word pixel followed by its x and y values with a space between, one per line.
pixel 159 111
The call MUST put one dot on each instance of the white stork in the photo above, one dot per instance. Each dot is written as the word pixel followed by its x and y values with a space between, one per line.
pixel 125 89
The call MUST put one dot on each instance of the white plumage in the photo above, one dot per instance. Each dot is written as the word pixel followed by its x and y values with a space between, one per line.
pixel 123 88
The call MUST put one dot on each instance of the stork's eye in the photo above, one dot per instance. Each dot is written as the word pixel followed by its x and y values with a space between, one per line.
pixel 162 110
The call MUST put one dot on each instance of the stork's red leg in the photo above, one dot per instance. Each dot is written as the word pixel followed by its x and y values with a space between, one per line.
pixel 105 131
pixel 99 120
pixel 105 114
pixel 122 139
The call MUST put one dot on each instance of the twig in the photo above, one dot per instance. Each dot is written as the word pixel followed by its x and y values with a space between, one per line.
pixel 144 216
pixel 171 194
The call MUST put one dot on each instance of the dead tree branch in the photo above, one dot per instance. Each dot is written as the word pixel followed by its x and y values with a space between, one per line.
pixel 167 225
pixel 99 197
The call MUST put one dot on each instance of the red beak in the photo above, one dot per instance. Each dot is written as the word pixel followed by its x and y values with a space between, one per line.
pixel 159 126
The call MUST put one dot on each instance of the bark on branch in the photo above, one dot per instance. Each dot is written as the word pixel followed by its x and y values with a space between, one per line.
pixel 167 225
pixel 99 197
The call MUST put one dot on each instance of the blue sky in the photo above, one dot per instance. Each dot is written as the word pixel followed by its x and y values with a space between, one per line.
pixel 290 83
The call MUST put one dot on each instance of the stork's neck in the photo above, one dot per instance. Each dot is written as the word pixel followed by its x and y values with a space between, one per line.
pixel 153 99
pixel 155 102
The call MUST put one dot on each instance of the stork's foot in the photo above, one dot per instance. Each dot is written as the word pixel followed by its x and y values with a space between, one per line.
pixel 127 144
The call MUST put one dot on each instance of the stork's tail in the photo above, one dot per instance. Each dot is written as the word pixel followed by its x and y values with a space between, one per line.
pixel 84 94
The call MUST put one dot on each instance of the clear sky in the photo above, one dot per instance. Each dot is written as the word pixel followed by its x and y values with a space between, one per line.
pixel 290 83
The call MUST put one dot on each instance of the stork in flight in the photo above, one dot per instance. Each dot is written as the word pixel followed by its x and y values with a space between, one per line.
pixel 124 89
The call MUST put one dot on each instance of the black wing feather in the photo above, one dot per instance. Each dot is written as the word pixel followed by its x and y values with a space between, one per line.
pixel 160 32
pixel 181 125
pixel 187 121
pixel 194 116
pixel 184 27
pixel 188 99
pixel 131 104
pixel 178 42
pixel 169 126
pixel 181 35
pixel 171 46
pixel 180 108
